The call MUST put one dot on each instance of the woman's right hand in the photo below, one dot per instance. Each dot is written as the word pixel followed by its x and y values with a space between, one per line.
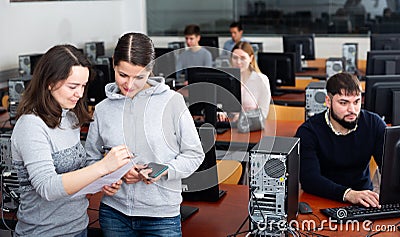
pixel 117 157
pixel 133 174
pixel 222 117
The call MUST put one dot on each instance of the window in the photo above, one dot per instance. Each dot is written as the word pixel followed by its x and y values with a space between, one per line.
pixel 267 17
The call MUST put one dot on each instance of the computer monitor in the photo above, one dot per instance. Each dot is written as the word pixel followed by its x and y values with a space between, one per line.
pixel 212 88
pixel 96 87
pixel 108 61
pixel 380 96
pixel 202 185
pixel 210 41
pixel 280 69
pixel 383 62
pixel 165 63
pixel 385 41
pixel 390 182
pixel 303 46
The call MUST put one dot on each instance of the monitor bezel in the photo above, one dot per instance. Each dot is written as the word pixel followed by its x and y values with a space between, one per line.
pixel 373 56
pixel 388 82
pixel 390 180
pixel 263 60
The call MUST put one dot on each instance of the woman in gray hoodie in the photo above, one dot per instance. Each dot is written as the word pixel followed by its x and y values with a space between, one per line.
pixel 154 122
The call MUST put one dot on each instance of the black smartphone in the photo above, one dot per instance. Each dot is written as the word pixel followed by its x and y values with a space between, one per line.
pixel 157 169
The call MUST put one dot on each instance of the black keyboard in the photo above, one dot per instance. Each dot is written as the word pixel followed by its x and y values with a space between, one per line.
pixel 309 68
pixel 363 213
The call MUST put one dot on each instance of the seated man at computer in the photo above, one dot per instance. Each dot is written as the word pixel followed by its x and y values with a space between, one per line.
pixel 236 30
pixel 195 55
pixel 336 145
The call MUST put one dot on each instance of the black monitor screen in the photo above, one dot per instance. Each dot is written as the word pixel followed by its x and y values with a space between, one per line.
pixel 383 62
pixel 390 182
pixel 385 42
pixel 108 61
pixel 165 63
pixel 302 45
pixel 210 41
pixel 96 87
pixel 380 95
pixel 279 67
pixel 218 87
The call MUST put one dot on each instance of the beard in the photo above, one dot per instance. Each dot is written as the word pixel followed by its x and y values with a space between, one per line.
pixel 348 125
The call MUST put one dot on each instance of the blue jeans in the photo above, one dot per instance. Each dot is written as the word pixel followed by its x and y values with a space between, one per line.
pixel 82 234
pixel 116 224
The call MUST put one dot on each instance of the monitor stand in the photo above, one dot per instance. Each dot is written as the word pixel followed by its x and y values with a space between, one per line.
pixel 187 211
pixel 304 67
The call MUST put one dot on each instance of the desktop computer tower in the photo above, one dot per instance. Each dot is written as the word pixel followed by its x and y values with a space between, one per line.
pixel 274 184
pixel 27 63
pixel 334 66
pixel 94 50
pixel 315 98
pixel 9 185
pixel 350 53
pixel 16 87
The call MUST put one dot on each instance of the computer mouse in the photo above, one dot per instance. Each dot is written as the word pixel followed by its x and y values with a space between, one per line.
pixel 304 208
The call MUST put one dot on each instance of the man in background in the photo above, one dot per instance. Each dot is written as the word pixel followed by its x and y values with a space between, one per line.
pixel 236 30
pixel 194 55
pixel 336 145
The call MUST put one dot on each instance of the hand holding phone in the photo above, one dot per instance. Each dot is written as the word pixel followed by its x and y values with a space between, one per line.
pixel 157 169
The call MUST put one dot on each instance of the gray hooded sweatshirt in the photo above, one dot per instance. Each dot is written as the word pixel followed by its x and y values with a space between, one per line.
pixel 157 126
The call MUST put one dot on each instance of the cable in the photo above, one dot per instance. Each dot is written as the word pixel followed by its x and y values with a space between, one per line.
pixel 2 205
pixel 259 208
pixel 380 231
pixel 91 223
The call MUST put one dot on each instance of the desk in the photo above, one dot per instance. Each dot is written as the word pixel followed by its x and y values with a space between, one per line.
pixel 291 99
pixel 219 219
pixel 213 218
pixel 241 140
pixel 320 63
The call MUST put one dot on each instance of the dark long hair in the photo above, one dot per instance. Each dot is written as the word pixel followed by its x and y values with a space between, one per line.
pixel 54 66
pixel 135 48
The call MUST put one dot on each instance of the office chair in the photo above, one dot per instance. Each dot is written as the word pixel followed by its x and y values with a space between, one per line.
pixel 229 171
pixel 374 174
pixel 4 101
pixel 287 113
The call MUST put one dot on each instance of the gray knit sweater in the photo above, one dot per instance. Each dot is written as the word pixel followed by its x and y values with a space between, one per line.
pixel 40 155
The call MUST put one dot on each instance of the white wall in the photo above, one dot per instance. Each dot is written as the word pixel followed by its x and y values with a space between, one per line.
pixel 35 27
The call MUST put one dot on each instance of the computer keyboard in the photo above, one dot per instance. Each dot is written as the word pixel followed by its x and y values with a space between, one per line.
pixel 309 68
pixel 363 213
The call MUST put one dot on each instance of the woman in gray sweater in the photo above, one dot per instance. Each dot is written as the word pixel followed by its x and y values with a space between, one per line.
pixel 47 152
